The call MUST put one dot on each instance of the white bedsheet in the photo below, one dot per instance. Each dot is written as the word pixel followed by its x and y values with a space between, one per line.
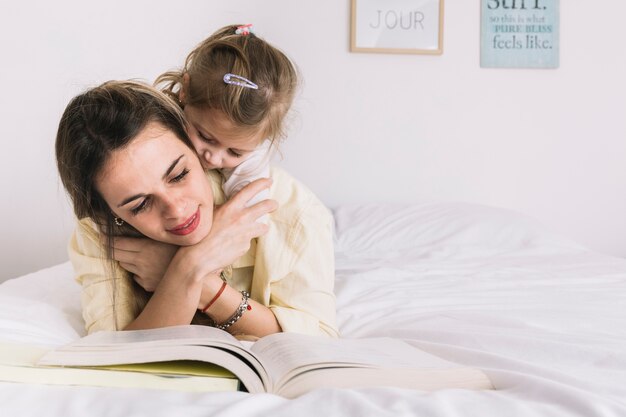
pixel 543 316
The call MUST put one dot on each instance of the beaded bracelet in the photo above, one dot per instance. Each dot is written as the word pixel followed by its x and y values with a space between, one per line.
pixel 240 310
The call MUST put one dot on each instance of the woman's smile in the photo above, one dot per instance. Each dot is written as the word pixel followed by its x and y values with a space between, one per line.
pixel 187 227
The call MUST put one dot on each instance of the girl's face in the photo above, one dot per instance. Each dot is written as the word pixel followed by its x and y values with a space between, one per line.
pixel 217 140
pixel 156 185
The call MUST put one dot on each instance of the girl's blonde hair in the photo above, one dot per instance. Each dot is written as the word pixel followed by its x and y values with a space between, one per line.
pixel 253 111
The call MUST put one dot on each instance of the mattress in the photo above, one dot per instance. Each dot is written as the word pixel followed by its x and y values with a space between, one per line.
pixel 543 316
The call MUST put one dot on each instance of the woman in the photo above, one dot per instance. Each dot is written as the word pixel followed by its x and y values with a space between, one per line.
pixel 125 158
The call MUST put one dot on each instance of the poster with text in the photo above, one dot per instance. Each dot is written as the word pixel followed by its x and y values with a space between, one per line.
pixel 519 34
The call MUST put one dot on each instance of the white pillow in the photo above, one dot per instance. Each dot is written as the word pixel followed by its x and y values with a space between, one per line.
pixel 428 229
pixel 42 307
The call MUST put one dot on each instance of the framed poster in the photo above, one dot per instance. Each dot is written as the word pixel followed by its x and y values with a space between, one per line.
pixel 397 26
pixel 519 34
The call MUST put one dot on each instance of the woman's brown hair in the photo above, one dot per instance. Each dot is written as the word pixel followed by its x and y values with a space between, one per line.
pixel 96 123
pixel 201 81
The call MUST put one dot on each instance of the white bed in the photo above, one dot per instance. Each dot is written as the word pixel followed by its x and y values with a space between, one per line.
pixel 543 316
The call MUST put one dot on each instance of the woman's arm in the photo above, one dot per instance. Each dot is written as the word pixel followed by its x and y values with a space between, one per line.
pixel 149 260
pixel 108 298
pixel 257 321
pixel 193 275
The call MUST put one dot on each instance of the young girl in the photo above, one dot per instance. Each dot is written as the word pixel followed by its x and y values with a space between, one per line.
pixel 235 90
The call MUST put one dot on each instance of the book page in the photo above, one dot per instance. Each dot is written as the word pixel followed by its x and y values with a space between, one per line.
pixel 17 364
pixel 200 343
pixel 166 335
pixel 174 368
pixel 356 378
pixel 288 354
pixel 225 359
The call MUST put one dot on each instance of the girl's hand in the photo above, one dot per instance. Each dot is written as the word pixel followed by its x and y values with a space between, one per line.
pixel 234 226
pixel 145 258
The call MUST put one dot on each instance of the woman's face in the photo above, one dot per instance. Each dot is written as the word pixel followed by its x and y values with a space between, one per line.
pixel 157 185
pixel 217 140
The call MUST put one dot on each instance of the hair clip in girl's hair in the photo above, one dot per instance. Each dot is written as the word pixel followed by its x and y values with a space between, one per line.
pixel 244 29
pixel 240 81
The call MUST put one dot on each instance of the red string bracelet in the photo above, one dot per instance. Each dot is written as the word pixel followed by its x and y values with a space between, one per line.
pixel 214 298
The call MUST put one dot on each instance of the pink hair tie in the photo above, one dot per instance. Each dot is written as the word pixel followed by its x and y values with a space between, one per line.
pixel 244 29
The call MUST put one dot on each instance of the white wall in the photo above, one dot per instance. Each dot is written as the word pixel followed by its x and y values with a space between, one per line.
pixel 369 127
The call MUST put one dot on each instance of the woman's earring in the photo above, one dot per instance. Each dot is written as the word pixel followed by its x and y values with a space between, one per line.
pixel 118 221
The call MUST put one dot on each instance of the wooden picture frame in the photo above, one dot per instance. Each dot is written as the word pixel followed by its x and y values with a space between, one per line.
pixel 397 26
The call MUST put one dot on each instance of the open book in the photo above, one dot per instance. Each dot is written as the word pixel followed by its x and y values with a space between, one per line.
pixel 18 363
pixel 286 364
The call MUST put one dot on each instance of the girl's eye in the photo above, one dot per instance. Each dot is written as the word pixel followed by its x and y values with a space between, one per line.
pixel 180 176
pixel 205 139
pixel 234 153
pixel 141 207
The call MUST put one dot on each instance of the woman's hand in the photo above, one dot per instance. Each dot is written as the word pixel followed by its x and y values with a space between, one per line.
pixel 193 271
pixel 145 258
pixel 234 226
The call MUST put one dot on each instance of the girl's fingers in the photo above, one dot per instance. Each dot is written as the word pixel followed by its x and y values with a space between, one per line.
pixel 262 208
pixel 261 229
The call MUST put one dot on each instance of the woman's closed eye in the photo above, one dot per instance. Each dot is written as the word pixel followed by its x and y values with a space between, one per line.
pixel 145 203
pixel 180 176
